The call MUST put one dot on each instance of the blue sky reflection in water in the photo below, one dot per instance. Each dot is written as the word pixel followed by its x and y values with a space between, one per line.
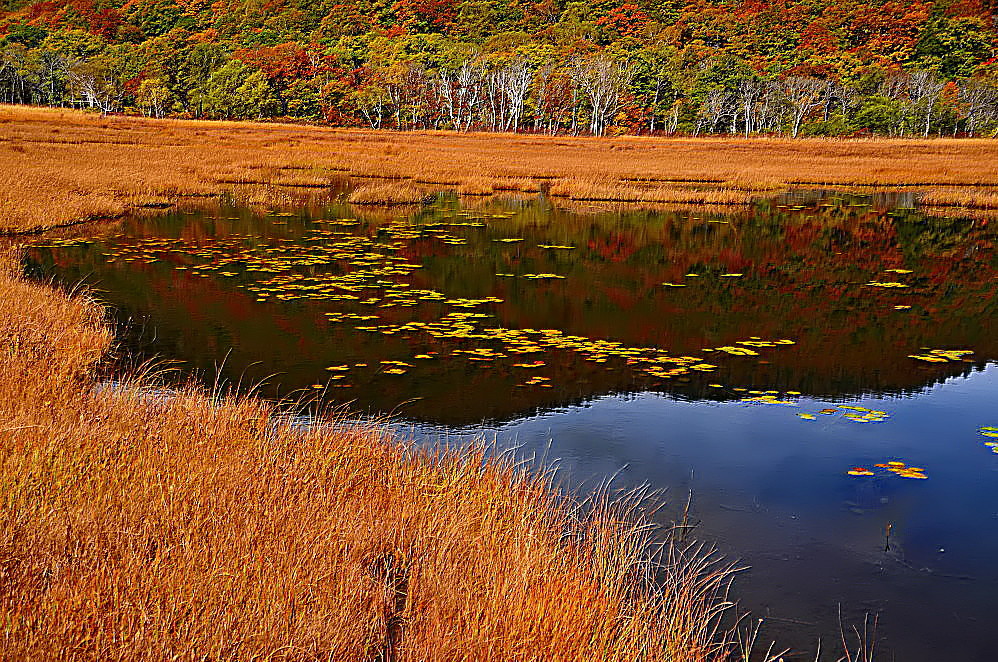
pixel 465 329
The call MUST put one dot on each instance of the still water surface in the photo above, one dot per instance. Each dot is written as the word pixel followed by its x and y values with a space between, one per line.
pixel 753 357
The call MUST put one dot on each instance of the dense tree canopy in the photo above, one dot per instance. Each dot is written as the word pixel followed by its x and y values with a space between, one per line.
pixel 795 67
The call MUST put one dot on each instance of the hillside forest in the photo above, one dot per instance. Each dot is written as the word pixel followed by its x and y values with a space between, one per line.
pixel 605 67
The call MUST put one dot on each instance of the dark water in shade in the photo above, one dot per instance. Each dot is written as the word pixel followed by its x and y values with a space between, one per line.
pixel 277 296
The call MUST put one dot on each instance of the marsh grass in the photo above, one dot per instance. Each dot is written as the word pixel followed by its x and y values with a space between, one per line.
pixel 63 166
pixel 387 194
pixel 595 191
pixel 963 197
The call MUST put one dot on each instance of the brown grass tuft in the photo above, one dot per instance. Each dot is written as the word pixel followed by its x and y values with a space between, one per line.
pixel 588 190
pixel 391 193
pixel 966 198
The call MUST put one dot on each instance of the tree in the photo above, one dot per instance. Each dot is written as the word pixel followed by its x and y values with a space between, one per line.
pixel 923 91
pixel 154 97
pixel 370 98
pixel 802 94
pixel 890 66
pixel 100 82
pixel 460 91
pixel 750 91
pixel 980 98
pixel 878 114
pixel 602 79
pixel 235 91
pixel 506 82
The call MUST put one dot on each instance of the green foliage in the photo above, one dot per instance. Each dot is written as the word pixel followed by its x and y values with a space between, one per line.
pixel 26 35
pixel 303 99
pixel 955 46
pixel 235 91
pixel 877 114
pixel 157 17
pixel 835 125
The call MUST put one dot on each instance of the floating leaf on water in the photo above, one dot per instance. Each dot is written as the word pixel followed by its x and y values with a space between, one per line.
pixel 942 355
pixel 875 283
pixel 674 284
pixel 732 275
pixel 808 417
pixel 737 351
pixel 902 307
pixel 768 400
pixel 927 357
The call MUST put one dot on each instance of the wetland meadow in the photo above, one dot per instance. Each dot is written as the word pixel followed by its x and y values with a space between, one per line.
pixel 509 407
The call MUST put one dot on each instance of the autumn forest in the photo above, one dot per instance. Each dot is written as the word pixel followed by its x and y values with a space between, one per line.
pixel 610 67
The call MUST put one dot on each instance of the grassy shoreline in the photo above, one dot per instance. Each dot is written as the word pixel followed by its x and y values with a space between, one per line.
pixel 68 165
pixel 138 525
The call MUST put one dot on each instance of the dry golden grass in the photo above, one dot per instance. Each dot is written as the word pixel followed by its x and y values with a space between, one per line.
pixel 388 193
pixel 588 190
pixel 966 198
pixel 141 524
pixel 61 166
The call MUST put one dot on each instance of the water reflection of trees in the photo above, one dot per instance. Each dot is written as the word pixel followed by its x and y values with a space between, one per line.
pixel 805 259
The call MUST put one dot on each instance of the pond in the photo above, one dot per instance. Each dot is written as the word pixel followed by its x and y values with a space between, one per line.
pixel 814 368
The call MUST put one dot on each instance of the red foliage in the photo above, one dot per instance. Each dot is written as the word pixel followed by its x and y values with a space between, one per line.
pixel 438 14
pixel 627 20
pixel 82 14
pixel 819 39
pixel 281 64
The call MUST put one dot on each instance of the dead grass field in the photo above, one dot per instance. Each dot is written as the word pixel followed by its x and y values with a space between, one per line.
pixel 62 166
pixel 139 524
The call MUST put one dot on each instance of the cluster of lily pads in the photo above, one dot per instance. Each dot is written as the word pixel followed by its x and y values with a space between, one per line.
pixel 853 413
pixel 942 355
pixel 895 467
pixel 990 432
pixel 337 261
